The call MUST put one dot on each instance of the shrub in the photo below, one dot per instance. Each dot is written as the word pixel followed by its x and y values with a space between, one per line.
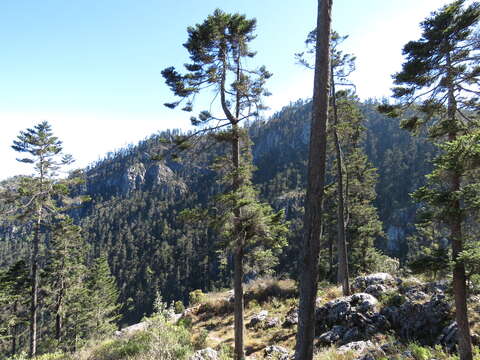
pixel 179 307
pixel 392 299
pixel 196 297
pixel 420 352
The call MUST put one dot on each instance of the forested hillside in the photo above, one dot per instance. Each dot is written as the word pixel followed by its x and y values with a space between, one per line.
pixel 135 204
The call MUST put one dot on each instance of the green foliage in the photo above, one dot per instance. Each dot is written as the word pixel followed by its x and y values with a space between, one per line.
pixel 179 307
pixel 420 352
pixel 431 260
pixel 196 297
pixel 119 349
pixel 392 299
pixel 103 295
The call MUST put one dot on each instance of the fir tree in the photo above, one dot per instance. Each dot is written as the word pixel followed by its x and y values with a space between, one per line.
pixel 14 286
pixel 102 295
pixel 65 271
pixel 441 73
pixel 38 197
pixel 218 48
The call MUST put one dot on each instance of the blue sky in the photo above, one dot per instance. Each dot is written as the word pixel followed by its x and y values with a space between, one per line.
pixel 92 67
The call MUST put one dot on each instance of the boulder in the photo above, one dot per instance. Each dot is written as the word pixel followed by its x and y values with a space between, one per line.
pixel 448 337
pixel 363 302
pixel 205 354
pixel 129 330
pixel 291 319
pixel 351 335
pixel 276 352
pixel 332 336
pixel 258 318
pixel 357 347
pixel 363 282
pixel 271 322
pixel 419 322
pixel 416 295
pixel 376 290
pixel 346 311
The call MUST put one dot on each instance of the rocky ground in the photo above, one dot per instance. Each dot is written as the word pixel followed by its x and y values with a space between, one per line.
pixel 383 317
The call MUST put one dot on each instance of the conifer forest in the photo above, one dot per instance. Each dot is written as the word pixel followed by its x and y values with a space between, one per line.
pixel 335 228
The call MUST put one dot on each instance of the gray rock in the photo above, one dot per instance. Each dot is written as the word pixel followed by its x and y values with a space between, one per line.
pixel 416 295
pixel 352 334
pixel 419 322
pixel 363 302
pixel 363 282
pixel 129 330
pixel 291 318
pixel 205 354
pixel 335 312
pixel 357 347
pixel 258 318
pixel 448 337
pixel 376 290
pixel 271 322
pixel 332 336
pixel 366 357
pixel 277 352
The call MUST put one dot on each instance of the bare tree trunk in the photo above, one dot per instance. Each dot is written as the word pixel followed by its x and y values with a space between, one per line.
pixel 14 329
pixel 315 187
pixel 459 277
pixel 238 257
pixel 34 293
pixel 342 274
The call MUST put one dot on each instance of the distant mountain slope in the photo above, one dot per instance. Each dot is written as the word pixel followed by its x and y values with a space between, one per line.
pixel 133 215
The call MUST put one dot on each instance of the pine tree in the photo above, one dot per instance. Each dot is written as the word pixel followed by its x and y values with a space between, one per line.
pixel 315 187
pixel 102 295
pixel 218 48
pixel 341 66
pixel 14 286
pixel 441 74
pixel 65 270
pixel 38 197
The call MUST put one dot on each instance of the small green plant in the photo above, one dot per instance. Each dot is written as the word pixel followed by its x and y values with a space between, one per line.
pixel 225 352
pixel 392 299
pixel 200 341
pixel 420 352
pixel 179 307
pixel 196 297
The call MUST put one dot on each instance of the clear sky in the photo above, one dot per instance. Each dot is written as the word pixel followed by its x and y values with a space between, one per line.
pixel 92 67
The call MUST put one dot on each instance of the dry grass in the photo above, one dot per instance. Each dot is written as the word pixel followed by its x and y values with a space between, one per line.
pixel 215 315
pixel 333 354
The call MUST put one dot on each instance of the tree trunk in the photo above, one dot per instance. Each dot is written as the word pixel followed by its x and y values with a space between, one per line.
pixel 342 274
pixel 34 293
pixel 14 329
pixel 459 277
pixel 238 256
pixel 315 187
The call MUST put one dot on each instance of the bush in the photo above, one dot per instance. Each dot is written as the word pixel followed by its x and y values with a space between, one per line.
pixel 379 262
pixel 196 297
pixel 420 352
pixel 126 348
pixel 392 299
pixel 200 341
pixel 179 307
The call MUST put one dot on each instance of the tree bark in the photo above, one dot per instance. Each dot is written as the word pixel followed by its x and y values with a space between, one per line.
pixel 34 293
pixel 459 277
pixel 14 329
pixel 238 256
pixel 342 274
pixel 315 187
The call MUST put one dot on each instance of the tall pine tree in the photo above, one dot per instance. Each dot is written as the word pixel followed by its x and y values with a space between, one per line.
pixel 218 48
pixel 441 75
